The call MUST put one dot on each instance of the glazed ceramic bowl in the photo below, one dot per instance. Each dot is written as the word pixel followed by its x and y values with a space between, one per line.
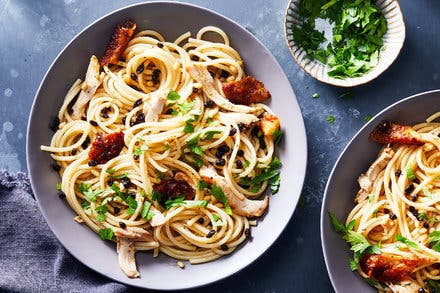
pixel 342 185
pixel 392 43
pixel 171 19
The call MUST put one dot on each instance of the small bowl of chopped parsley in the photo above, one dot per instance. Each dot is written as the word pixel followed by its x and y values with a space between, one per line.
pixel 344 42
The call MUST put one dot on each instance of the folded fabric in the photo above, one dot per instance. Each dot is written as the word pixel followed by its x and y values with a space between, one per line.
pixel 31 258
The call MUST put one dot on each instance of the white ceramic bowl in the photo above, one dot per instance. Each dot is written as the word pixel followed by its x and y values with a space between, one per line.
pixel 171 19
pixel 393 42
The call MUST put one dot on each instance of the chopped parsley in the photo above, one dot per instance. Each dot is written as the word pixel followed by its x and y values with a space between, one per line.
pixel 185 107
pixel 106 233
pixel 173 96
pixel 189 128
pixel 101 210
pixel 111 171
pixel 210 134
pixel 407 242
pixel 138 151
pixel 146 213
pixel 59 186
pixel 180 201
pixel 217 221
pixel 277 135
pixel 353 265
pixel 218 193
pixel 91 195
pixel 202 184
pixel 271 174
pixel 358 28
pixel 410 173
pixel 156 196
pixel 193 146
pixel 167 146
pixel 434 240
pixel 368 118
pixel 331 119
pixel 132 203
pixel 315 95
pixel 359 244
pixel 347 95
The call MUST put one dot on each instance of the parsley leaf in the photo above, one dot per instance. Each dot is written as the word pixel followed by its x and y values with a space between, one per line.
pixel 156 195
pixel 193 146
pixel 146 213
pixel 217 221
pixel 353 265
pixel 101 210
pixel 106 233
pixel 189 128
pixel 410 173
pixel 59 186
pixel 434 240
pixel 174 202
pixel 210 134
pixel 315 95
pixel 218 193
pixel 167 146
pixel 84 188
pixel 111 171
pixel 406 241
pixel 277 135
pixel 132 205
pixel 173 96
pixel 185 107
pixel 368 118
pixel 202 184
pixel 331 119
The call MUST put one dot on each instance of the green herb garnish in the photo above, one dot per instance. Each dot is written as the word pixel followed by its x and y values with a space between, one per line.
pixel 331 119
pixel 189 128
pixel 173 96
pixel 277 135
pixel 106 234
pixel 91 195
pixel 146 213
pixel 358 28
pixel 410 173
pixel 434 240
pixel 406 241
pixel 210 134
pixel 368 118
pixel 59 186
pixel 221 197
pixel 202 184
pixel 111 171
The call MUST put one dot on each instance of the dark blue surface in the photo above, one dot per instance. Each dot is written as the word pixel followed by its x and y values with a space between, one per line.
pixel 33 32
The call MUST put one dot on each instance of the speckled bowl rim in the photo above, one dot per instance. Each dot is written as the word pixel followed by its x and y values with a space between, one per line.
pixel 342 249
pixel 341 84
pixel 281 207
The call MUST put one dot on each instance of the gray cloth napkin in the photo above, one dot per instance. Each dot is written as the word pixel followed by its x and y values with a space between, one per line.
pixel 31 258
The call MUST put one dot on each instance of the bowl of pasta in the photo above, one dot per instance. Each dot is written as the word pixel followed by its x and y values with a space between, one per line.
pixel 380 217
pixel 157 151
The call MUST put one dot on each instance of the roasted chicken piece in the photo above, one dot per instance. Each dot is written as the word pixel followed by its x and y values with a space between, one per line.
pixel 201 74
pixel 387 132
pixel 118 42
pixel 242 207
pixel 269 123
pixel 246 91
pixel 127 261
pixel 388 268
pixel 91 83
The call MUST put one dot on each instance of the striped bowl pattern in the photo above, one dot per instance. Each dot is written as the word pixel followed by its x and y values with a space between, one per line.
pixel 393 42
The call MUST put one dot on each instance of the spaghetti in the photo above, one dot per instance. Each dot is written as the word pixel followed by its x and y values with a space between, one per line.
pixel 157 158
pixel 398 211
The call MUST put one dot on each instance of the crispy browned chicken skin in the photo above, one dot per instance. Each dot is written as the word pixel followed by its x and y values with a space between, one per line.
pixel 389 268
pixel 246 91
pixel 387 132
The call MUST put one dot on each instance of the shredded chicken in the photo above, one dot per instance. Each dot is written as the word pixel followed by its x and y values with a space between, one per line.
pixel 246 91
pixel 269 123
pixel 118 42
pixel 127 261
pixel 366 180
pixel 244 118
pixel 242 207
pixel 133 233
pixel 157 103
pixel 201 74
pixel 158 218
pixel 92 81
pixel 388 132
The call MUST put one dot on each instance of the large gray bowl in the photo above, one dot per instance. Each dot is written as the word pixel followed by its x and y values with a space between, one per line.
pixel 171 19
pixel 342 185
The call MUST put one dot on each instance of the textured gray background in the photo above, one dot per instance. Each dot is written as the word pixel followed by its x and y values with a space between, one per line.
pixel 33 32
